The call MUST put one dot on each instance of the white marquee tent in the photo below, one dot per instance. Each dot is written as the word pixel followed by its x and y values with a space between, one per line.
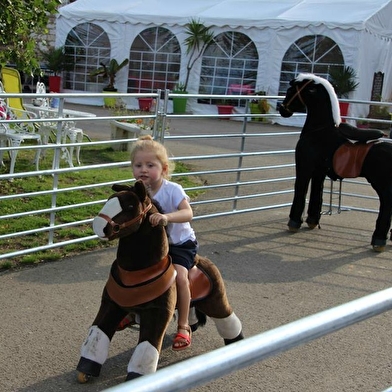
pixel 361 28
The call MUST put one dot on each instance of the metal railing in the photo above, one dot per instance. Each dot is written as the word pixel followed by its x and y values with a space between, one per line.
pixel 222 361
pixel 242 176
pixel 252 179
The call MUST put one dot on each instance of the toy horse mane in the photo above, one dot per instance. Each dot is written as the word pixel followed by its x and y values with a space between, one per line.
pixel 330 90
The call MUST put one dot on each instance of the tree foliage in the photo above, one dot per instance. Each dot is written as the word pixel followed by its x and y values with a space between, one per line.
pixel 199 37
pixel 21 22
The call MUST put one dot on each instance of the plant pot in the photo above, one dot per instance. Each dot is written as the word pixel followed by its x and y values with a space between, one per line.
pixel 123 130
pixel 109 102
pixel 382 126
pixel 145 104
pixel 343 109
pixel 54 84
pixel 225 109
pixel 255 109
pixel 179 104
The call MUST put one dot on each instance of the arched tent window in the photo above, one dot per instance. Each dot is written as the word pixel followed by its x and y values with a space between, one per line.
pixel 155 57
pixel 89 45
pixel 311 54
pixel 229 65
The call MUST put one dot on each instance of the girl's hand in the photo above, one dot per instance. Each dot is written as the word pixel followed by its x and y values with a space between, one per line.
pixel 158 219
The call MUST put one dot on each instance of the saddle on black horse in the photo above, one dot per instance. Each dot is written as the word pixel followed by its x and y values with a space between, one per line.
pixel 349 157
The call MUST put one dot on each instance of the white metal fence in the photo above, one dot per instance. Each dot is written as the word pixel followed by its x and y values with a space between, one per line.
pixel 207 367
pixel 242 170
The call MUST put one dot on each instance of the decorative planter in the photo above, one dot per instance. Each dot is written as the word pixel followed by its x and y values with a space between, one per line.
pixel 124 130
pixel 225 109
pixel 145 104
pixel 54 84
pixel 109 102
pixel 343 109
pixel 179 104
pixel 382 126
pixel 255 109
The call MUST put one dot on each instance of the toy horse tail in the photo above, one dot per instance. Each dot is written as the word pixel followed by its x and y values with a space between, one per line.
pixel 196 318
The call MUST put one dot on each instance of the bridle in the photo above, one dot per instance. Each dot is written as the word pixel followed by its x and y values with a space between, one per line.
pixel 297 94
pixel 116 227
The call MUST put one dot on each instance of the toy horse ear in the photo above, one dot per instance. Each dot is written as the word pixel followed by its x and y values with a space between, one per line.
pixel 120 187
pixel 140 189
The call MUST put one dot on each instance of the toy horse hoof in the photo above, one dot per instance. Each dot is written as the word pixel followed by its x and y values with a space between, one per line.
pixel 379 248
pixel 294 226
pixel 83 377
pixel 132 376
pixel 312 226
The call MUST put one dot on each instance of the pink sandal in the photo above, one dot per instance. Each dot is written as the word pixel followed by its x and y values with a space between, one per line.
pixel 182 341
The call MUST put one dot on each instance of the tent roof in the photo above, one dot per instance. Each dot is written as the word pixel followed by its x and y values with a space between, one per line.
pixel 372 15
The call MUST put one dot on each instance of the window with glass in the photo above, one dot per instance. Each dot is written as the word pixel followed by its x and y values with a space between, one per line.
pixel 315 54
pixel 89 46
pixel 229 66
pixel 154 64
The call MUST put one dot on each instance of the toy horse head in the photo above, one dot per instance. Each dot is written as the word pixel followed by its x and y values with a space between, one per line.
pixel 305 90
pixel 123 213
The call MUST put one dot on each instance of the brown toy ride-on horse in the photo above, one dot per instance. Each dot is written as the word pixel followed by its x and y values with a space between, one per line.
pixel 142 282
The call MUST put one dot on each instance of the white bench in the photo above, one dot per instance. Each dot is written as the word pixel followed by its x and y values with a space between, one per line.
pixel 124 130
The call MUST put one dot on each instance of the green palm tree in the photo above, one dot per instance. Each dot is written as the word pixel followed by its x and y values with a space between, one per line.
pixel 343 80
pixel 198 38
pixel 109 71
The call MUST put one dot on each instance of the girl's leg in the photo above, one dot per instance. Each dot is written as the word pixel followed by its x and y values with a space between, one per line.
pixel 183 338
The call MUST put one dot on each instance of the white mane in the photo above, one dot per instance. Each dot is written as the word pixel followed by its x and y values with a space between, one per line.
pixel 332 95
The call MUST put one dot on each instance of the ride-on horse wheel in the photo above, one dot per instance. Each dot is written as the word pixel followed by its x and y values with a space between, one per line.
pixel 82 377
pixel 379 248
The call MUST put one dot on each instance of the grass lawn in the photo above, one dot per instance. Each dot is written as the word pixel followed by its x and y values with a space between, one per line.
pixel 90 155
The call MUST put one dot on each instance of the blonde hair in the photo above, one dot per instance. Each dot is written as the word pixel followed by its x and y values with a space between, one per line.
pixel 147 143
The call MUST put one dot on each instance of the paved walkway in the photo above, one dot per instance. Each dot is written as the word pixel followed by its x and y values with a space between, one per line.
pixel 272 277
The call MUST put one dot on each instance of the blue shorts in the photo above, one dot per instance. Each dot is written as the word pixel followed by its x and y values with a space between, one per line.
pixel 184 254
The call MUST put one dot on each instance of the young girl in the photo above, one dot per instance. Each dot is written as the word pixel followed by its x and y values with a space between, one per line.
pixel 150 163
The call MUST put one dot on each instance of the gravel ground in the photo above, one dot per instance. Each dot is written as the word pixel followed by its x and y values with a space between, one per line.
pixel 272 278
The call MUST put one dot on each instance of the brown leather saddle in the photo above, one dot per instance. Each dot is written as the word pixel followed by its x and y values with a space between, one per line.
pixel 136 287
pixel 200 286
pixel 200 283
pixel 348 159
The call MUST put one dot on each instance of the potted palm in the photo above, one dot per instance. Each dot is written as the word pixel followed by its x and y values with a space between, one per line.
pixel 198 38
pixel 344 82
pixel 109 71
pixel 57 60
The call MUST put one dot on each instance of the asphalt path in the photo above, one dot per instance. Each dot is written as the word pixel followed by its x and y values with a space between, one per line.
pixel 272 278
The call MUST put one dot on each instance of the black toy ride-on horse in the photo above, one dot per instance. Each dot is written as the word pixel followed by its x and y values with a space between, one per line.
pixel 323 141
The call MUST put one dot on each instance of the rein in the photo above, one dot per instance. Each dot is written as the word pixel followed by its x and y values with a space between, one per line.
pixel 117 227
pixel 297 94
